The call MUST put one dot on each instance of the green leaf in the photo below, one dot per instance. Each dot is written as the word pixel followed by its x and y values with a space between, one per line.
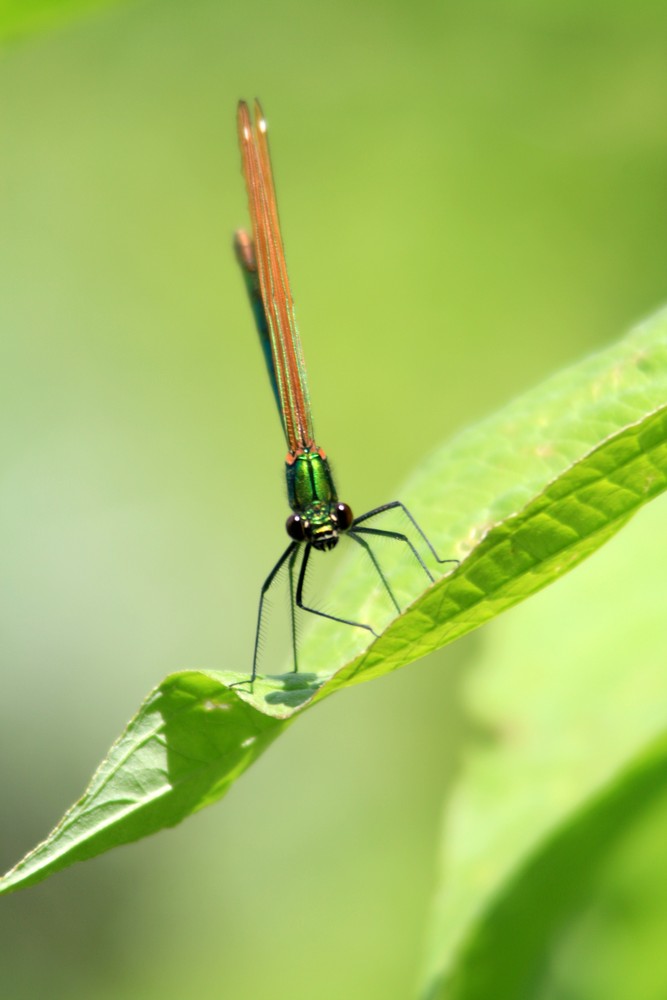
pixel 520 499
pixel 518 941
pixel 23 17
pixel 571 699
pixel 189 741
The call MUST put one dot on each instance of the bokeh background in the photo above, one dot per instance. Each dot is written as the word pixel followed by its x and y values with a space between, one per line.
pixel 473 194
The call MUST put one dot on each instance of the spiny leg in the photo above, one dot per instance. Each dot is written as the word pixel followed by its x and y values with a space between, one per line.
pixel 392 506
pixel 399 537
pixel 385 582
pixel 289 551
pixel 315 611
pixel 292 604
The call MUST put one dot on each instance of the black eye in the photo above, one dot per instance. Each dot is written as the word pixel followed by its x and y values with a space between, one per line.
pixel 297 527
pixel 342 515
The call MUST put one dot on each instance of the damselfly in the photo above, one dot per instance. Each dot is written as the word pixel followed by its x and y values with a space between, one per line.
pixel 318 517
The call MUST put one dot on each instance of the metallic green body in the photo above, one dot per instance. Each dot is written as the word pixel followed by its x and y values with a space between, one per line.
pixel 312 494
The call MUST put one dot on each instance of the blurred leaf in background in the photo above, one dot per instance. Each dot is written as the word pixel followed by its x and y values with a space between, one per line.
pixel 472 196
pixel 554 857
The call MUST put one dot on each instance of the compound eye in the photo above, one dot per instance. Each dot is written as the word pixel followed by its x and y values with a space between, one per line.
pixel 297 527
pixel 343 516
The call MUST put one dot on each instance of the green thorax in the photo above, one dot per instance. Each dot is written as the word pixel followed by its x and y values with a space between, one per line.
pixel 317 517
pixel 310 486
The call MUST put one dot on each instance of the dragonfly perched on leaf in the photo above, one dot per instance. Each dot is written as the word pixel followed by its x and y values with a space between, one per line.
pixel 318 517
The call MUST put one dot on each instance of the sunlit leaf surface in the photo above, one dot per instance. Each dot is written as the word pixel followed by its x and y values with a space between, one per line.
pixel 519 499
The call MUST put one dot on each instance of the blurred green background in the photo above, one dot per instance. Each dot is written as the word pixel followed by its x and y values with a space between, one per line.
pixel 472 196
